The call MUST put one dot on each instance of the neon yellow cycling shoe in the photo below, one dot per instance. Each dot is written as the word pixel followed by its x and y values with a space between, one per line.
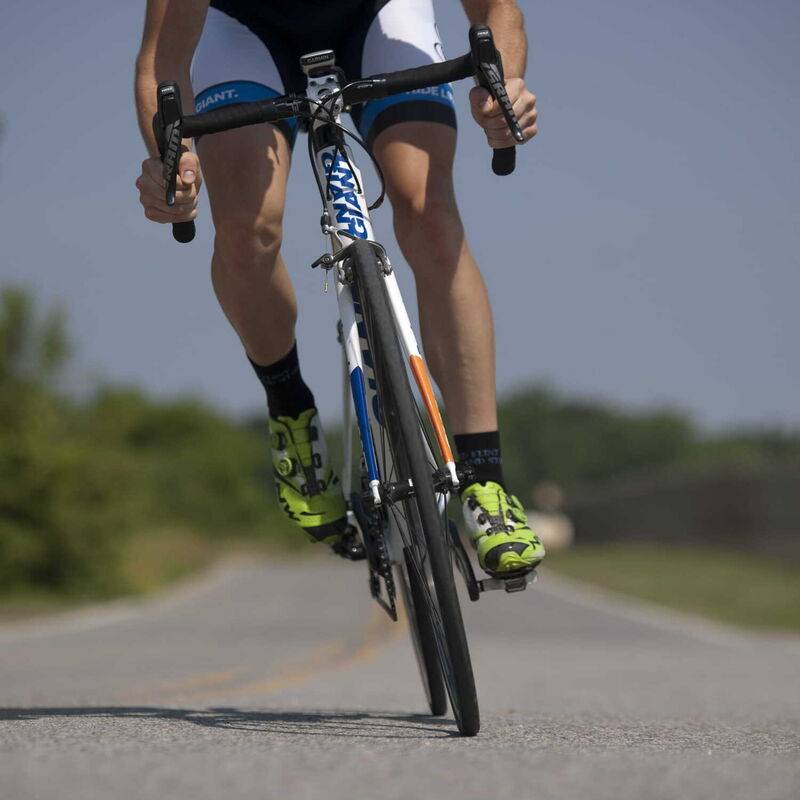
pixel 499 529
pixel 309 491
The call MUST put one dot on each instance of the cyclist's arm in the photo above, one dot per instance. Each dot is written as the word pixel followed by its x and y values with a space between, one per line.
pixel 172 29
pixel 505 19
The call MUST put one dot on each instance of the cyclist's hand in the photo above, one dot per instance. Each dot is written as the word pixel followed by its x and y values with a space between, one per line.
pixel 152 189
pixel 486 112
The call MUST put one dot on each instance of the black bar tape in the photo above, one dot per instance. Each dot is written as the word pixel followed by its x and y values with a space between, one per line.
pixel 407 80
pixel 237 116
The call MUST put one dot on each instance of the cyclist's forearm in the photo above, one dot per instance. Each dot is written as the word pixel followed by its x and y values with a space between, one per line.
pixel 505 19
pixel 172 29
pixel 148 76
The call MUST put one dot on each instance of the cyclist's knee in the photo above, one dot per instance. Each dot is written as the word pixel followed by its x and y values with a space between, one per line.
pixel 428 228
pixel 245 246
pixel 417 159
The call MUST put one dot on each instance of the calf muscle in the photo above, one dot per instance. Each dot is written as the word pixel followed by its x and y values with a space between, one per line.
pixel 246 172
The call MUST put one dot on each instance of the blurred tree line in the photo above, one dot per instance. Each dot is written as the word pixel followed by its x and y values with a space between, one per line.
pixel 79 479
pixel 586 443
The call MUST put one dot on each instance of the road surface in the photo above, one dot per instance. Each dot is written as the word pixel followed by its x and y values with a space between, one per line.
pixel 283 680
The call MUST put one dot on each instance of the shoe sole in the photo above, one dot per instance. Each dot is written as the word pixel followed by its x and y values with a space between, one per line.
pixel 514 568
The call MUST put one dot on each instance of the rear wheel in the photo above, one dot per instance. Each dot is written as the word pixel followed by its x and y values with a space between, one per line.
pixel 421 522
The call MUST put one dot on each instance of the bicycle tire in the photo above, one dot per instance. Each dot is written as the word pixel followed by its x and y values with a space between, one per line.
pixel 422 640
pixel 405 440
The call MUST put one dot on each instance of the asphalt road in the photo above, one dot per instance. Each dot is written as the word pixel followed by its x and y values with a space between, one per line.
pixel 284 681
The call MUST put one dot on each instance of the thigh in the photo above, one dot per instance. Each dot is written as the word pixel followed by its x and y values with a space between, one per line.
pixel 245 170
pixel 245 173
pixel 416 158
pixel 402 35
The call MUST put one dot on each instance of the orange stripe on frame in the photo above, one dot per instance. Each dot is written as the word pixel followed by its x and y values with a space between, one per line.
pixel 426 390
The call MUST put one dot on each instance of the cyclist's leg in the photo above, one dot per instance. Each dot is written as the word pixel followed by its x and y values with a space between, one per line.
pixel 455 315
pixel 246 172
pixel 413 136
pixel 414 140
pixel 456 322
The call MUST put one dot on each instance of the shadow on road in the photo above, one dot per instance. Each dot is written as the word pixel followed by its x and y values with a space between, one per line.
pixel 358 725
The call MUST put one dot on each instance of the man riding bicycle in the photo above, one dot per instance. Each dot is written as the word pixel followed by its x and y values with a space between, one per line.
pixel 230 51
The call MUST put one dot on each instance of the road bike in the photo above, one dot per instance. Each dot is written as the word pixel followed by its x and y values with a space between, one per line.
pixel 406 471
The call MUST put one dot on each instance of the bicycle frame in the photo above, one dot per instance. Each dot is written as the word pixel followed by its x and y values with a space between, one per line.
pixel 346 218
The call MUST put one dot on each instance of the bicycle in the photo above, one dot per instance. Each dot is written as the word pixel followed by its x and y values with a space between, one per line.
pixel 399 507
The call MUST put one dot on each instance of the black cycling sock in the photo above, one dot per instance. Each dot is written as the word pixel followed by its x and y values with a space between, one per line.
pixel 287 393
pixel 481 451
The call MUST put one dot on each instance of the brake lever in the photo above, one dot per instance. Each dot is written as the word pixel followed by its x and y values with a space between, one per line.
pixel 167 125
pixel 488 66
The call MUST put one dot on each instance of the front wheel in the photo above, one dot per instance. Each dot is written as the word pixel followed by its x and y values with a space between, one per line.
pixel 422 637
pixel 420 522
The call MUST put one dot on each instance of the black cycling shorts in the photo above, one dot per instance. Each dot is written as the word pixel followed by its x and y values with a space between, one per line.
pixel 250 50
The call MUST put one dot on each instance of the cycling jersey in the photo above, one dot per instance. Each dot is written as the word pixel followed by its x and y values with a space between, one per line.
pixel 250 50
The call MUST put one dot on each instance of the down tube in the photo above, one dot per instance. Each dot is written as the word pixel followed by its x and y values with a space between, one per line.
pixel 361 384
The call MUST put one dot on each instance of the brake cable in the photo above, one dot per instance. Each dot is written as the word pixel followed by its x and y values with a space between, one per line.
pixel 315 116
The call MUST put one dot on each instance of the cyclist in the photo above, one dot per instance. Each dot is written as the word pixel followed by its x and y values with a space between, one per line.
pixel 229 51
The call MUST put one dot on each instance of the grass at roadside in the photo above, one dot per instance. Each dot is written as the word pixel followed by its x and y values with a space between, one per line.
pixel 736 588
pixel 152 560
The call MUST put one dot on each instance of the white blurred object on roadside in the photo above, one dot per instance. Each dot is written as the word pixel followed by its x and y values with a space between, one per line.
pixel 547 522
pixel 555 530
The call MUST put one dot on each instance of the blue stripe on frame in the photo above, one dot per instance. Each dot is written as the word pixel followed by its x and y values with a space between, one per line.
pixel 360 401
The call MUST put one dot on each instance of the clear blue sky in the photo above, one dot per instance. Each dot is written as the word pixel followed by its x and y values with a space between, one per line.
pixel 646 251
